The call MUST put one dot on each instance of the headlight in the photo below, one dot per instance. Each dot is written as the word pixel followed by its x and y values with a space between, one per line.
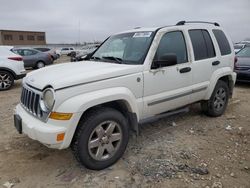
pixel 48 99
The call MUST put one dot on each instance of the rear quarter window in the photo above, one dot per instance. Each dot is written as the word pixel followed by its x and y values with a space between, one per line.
pixel 222 42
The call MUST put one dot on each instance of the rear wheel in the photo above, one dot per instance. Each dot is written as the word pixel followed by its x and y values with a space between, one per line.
pixel 101 138
pixel 40 64
pixel 6 80
pixel 218 101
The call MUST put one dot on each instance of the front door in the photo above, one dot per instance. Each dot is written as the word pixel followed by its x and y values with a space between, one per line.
pixel 167 88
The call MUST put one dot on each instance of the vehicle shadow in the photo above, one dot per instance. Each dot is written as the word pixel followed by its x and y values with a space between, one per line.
pixel 244 85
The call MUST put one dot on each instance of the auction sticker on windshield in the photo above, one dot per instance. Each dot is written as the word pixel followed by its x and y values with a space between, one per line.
pixel 142 34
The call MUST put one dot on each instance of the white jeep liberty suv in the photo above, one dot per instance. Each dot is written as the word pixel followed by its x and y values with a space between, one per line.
pixel 133 76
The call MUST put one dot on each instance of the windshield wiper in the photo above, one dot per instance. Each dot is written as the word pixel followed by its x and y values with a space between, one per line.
pixel 116 59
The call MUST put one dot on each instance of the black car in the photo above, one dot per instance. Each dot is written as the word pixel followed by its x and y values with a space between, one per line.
pixel 80 57
pixel 242 67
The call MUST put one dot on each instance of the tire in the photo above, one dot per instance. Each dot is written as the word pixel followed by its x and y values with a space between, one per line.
pixel 40 64
pixel 218 101
pixel 101 138
pixel 6 80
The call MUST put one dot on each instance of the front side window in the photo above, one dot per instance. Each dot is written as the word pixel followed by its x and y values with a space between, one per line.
pixel 126 48
pixel 64 49
pixel 173 43
pixel 202 44
pixel 222 42
pixel 245 52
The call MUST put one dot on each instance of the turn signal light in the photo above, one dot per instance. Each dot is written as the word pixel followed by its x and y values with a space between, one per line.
pixel 60 137
pixel 60 116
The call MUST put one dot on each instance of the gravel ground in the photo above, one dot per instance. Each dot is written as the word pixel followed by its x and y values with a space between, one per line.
pixel 186 150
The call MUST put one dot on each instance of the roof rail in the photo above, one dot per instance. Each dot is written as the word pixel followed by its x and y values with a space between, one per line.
pixel 184 22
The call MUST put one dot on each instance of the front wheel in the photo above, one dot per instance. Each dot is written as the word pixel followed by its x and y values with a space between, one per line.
pixel 218 101
pixel 101 138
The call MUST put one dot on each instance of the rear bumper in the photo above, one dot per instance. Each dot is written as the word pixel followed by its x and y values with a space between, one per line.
pixel 243 76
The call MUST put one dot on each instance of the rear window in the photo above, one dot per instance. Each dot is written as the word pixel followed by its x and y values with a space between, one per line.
pixel 222 42
pixel 202 44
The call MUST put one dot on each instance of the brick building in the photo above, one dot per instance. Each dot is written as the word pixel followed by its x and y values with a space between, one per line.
pixel 12 37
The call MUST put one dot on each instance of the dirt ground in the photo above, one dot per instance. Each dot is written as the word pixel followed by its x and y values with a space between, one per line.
pixel 186 150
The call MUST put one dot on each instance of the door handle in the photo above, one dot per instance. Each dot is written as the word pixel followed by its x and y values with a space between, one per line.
pixel 186 69
pixel 215 63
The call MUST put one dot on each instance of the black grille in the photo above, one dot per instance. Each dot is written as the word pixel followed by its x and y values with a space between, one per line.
pixel 30 101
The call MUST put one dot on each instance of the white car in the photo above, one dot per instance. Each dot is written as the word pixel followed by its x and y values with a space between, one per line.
pixel 66 50
pixel 11 68
pixel 86 49
pixel 134 76
pixel 238 47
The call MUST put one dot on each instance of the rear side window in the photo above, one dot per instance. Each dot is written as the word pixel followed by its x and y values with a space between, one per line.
pixel 202 44
pixel 222 42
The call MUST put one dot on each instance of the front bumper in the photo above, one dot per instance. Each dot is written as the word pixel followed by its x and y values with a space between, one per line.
pixel 37 130
pixel 20 76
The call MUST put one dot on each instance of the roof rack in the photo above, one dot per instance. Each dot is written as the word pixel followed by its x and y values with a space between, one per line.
pixel 184 22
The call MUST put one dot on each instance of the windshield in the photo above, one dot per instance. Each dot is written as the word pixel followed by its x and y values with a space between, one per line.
pixel 245 52
pixel 127 48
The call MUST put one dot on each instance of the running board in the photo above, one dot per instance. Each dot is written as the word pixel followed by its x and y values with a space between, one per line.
pixel 164 115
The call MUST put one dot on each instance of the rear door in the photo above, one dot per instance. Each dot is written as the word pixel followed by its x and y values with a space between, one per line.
pixel 204 60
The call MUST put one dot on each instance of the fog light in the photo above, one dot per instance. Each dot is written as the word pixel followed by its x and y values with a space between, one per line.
pixel 60 137
pixel 60 116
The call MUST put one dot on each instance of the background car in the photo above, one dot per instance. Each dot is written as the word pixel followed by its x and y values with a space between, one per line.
pixel 67 51
pixel 238 47
pixel 50 51
pixel 33 58
pixel 79 55
pixel 11 68
pixel 242 67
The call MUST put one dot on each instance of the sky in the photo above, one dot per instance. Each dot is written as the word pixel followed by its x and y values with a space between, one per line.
pixel 71 21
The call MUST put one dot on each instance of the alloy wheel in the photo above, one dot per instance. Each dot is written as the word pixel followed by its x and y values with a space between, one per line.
pixel 220 99
pixel 5 81
pixel 105 140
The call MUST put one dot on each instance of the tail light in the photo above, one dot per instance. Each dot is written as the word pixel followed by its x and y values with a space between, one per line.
pixel 50 56
pixel 235 61
pixel 15 58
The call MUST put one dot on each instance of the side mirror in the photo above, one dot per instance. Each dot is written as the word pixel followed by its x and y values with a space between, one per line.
pixel 166 60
